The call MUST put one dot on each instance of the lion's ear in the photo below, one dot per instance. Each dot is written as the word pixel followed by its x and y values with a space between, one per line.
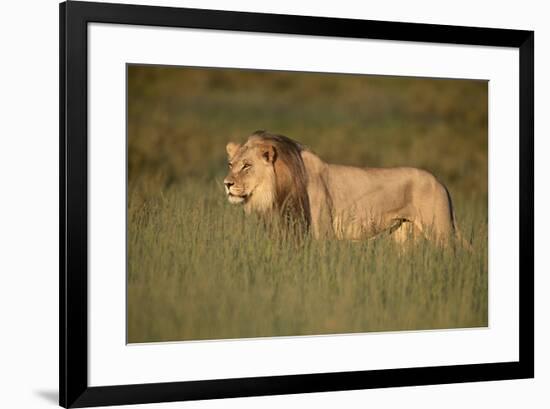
pixel 269 153
pixel 232 149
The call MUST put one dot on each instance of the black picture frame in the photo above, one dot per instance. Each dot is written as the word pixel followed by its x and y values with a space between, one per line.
pixel 73 349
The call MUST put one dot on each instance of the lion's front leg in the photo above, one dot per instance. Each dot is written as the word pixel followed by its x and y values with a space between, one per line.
pixel 319 204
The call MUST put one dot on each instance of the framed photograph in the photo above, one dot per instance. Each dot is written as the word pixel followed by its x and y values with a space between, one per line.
pixel 256 204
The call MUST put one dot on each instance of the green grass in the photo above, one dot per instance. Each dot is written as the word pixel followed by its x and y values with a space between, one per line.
pixel 199 269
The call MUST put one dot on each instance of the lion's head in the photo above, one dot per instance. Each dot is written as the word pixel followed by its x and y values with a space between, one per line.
pixel 267 173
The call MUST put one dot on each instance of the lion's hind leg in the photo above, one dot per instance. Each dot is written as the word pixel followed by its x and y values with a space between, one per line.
pixel 404 231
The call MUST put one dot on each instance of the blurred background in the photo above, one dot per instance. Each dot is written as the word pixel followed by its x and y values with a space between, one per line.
pixel 179 120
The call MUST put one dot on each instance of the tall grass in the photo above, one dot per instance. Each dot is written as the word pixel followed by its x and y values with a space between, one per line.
pixel 199 269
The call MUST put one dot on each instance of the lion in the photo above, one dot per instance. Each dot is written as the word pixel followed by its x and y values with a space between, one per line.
pixel 272 174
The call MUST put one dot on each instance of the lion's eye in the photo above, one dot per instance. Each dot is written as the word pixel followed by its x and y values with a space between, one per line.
pixel 230 165
pixel 246 166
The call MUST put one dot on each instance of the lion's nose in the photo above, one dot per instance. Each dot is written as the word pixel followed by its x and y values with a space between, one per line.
pixel 228 184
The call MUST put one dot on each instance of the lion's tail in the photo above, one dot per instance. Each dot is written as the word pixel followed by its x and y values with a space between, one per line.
pixel 458 234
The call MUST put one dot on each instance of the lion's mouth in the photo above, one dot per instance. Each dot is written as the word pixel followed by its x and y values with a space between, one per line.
pixel 236 199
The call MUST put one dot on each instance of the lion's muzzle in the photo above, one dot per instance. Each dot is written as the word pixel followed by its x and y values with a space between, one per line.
pixel 235 194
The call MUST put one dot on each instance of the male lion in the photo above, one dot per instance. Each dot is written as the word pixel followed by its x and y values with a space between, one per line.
pixel 272 174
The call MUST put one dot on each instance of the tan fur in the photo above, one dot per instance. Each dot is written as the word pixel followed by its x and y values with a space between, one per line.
pixel 338 201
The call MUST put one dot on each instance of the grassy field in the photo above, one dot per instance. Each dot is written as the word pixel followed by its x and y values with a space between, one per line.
pixel 199 269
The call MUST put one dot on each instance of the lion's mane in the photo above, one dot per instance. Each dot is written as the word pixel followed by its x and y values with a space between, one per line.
pixel 291 198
